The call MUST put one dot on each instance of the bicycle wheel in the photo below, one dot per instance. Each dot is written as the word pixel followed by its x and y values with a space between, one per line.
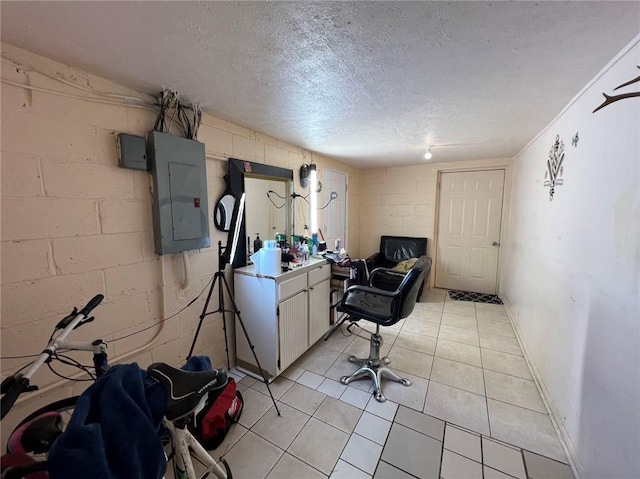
pixel 36 432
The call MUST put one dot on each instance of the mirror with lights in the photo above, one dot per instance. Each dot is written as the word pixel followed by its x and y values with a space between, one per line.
pixel 267 207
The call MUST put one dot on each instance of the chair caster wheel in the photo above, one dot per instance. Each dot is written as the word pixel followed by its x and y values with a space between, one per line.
pixel 344 379
pixel 379 397
pixel 353 359
pixel 386 360
pixel 405 382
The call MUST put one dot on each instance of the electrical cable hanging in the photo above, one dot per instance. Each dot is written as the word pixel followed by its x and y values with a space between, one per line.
pixel 332 196
pixel 165 319
pixel 272 202
pixel 156 323
pixel 173 110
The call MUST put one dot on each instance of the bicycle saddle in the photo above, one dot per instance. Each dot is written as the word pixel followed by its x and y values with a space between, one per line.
pixel 185 389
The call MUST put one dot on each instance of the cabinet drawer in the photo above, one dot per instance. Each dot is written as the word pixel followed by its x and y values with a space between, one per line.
pixel 319 274
pixel 292 286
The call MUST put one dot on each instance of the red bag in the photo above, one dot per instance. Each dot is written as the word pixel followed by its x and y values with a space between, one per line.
pixel 222 409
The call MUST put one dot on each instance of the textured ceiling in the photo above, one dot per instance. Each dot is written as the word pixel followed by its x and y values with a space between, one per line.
pixel 368 83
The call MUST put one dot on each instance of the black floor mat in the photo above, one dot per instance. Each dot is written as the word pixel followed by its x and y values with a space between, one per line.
pixel 475 297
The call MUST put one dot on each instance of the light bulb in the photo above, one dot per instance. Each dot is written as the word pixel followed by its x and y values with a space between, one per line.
pixel 313 193
pixel 427 154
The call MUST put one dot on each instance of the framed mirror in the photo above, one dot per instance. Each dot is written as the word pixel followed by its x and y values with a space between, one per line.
pixel 267 209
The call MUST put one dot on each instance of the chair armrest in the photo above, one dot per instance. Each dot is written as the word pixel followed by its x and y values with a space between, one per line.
pixel 368 289
pixel 386 278
pixel 387 272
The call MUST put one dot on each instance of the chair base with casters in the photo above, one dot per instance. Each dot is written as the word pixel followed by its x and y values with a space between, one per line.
pixel 383 308
pixel 374 367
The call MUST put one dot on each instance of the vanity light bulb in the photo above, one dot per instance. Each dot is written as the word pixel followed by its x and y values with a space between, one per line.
pixel 313 203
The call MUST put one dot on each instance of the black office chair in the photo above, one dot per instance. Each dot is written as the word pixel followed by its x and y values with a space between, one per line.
pixel 384 308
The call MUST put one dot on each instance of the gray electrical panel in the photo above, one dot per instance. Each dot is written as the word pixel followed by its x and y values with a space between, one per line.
pixel 180 205
pixel 132 152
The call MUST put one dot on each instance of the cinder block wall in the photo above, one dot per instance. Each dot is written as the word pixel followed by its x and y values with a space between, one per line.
pixel 403 201
pixel 74 224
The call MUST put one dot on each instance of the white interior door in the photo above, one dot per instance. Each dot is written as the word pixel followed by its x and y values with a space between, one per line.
pixel 469 225
pixel 334 225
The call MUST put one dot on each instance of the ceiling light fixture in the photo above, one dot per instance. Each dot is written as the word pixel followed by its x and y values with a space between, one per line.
pixel 427 154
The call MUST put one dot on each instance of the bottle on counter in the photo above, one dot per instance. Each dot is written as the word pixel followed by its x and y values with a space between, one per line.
pixel 257 243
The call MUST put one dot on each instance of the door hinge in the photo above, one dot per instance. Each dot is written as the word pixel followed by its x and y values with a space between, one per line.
pixel 278 310
pixel 278 363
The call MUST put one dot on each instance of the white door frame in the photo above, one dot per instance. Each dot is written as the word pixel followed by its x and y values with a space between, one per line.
pixel 503 218
pixel 346 205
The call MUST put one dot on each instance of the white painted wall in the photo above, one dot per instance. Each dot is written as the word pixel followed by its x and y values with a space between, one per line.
pixel 571 273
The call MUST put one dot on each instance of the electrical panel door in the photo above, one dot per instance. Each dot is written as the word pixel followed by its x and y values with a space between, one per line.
pixel 180 206
pixel 185 210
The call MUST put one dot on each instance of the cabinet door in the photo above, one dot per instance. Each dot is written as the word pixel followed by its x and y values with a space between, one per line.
pixel 318 311
pixel 293 329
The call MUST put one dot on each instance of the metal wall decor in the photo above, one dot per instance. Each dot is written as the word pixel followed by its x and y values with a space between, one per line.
pixel 609 99
pixel 554 167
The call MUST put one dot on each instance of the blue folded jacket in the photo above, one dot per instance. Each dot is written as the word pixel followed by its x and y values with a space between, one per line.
pixel 113 433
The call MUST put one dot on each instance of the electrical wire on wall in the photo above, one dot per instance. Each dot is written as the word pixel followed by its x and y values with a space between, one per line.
pixel 173 110
pixel 301 207
pixel 273 202
pixel 109 98
pixel 188 118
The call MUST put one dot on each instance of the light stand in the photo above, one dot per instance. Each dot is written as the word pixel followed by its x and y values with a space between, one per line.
pixel 219 275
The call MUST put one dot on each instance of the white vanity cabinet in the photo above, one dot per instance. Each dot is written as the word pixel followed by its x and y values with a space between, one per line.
pixel 284 315
pixel 319 302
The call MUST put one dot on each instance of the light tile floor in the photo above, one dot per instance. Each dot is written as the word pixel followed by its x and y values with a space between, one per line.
pixel 473 410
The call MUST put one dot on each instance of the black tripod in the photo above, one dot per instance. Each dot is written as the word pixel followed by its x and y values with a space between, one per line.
pixel 222 262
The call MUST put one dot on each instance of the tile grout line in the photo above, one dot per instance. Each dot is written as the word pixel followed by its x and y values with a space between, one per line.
pixel 524 463
pixel 444 436
pixel 486 393
pixel 393 421
pixel 298 434
pixel 424 405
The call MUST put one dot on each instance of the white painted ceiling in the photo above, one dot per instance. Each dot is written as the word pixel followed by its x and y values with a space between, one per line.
pixel 368 83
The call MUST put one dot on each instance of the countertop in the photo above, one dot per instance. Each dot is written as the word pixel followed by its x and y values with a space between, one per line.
pixel 314 262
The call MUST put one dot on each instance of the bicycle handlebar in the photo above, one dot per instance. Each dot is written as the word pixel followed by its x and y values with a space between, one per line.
pixel 12 394
pixel 95 301
pixel 17 384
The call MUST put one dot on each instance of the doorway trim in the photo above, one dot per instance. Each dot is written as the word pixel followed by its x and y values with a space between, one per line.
pixel 494 165
pixel 346 205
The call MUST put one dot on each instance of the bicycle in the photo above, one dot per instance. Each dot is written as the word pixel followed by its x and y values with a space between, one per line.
pixel 186 391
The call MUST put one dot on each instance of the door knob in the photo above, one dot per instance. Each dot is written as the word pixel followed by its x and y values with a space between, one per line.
pixel 495 243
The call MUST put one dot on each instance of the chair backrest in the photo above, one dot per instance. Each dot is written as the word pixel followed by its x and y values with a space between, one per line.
pixel 410 287
pixel 359 272
pixel 400 248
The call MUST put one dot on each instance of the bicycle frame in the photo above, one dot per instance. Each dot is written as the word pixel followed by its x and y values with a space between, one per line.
pixel 185 448
pixel 185 445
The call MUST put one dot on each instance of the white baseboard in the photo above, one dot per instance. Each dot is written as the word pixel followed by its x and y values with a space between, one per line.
pixel 565 440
